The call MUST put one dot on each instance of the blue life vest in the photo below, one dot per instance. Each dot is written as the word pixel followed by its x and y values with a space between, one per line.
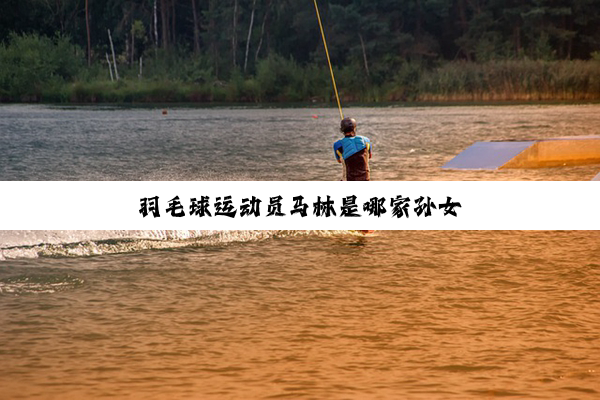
pixel 350 145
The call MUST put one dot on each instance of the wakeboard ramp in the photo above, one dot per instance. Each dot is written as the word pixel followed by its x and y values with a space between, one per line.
pixel 535 153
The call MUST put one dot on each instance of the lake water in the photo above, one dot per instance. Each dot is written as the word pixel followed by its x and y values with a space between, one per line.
pixel 291 314
pixel 103 143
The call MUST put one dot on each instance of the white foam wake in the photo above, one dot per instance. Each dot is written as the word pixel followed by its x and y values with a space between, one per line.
pixel 33 244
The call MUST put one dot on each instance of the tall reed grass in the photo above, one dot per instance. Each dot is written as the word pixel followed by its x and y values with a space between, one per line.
pixel 280 80
pixel 522 80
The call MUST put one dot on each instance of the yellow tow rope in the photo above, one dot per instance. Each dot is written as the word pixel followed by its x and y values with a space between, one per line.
pixel 337 97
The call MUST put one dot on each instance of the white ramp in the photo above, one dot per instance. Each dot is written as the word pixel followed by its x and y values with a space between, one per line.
pixel 487 155
pixel 555 152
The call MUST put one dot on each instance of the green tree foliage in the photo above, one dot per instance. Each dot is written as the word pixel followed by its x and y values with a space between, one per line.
pixel 30 62
pixel 391 31
pixel 251 45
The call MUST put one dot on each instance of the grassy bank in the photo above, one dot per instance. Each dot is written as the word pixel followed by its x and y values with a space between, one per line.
pixel 464 82
pixel 523 80
pixel 454 82
pixel 41 69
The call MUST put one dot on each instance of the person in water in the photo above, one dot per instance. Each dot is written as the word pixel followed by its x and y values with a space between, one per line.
pixel 354 152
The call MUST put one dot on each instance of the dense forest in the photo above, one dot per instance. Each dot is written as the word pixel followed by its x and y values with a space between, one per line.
pixel 271 50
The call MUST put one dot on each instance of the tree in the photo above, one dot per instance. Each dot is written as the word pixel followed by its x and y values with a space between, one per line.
pixel 372 38
pixel 164 19
pixel 87 28
pixel 196 29
pixel 249 35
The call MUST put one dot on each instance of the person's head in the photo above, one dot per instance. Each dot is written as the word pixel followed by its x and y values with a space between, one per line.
pixel 348 126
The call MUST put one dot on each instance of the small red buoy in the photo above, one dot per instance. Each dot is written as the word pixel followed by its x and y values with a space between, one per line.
pixel 164 112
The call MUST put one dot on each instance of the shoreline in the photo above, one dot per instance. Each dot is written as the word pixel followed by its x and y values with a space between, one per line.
pixel 307 105
pixel 129 92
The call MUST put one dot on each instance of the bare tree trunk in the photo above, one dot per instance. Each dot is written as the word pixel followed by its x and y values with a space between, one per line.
pixel 155 30
pixel 87 28
pixel 364 51
pixel 234 33
pixel 109 67
pixel 132 47
pixel 112 49
pixel 127 51
pixel 196 29
pixel 262 31
pixel 140 74
pixel 249 35
pixel 164 24
pixel 213 40
pixel 173 23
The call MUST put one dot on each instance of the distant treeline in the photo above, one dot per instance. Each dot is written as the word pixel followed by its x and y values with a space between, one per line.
pixel 271 50
pixel 378 35
pixel 36 68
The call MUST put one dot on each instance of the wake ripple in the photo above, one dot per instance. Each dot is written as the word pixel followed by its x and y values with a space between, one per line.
pixel 94 243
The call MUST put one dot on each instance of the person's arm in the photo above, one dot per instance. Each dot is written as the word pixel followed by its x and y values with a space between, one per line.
pixel 337 150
